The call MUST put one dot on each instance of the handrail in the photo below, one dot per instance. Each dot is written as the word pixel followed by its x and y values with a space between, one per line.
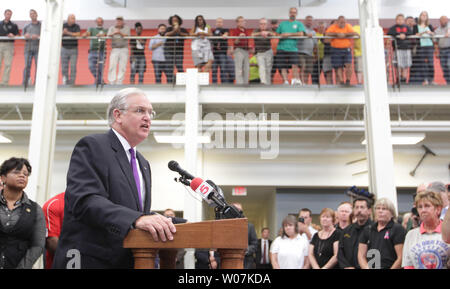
pixel 222 37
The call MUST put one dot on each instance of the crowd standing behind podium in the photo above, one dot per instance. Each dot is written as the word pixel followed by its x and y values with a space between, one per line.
pixel 305 57
pixel 342 240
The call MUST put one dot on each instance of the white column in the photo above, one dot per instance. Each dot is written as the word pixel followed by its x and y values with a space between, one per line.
pixel 43 124
pixel 377 118
pixel 192 208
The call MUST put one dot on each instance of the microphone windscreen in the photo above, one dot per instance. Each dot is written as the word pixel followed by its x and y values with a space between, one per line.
pixel 173 165
pixel 195 183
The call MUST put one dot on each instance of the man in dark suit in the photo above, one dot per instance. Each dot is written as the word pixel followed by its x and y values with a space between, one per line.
pixel 249 261
pixel 262 257
pixel 109 190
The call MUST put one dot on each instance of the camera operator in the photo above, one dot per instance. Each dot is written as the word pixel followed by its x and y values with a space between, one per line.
pixel 414 220
pixel 304 224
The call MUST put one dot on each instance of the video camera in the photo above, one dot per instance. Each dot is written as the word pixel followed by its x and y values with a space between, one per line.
pixel 354 192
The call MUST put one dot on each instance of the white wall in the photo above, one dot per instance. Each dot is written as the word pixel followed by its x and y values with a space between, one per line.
pixel 318 164
pixel 144 9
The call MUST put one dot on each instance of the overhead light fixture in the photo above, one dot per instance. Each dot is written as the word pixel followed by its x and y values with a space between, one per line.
pixel 163 138
pixel 404 138
pixel 5 139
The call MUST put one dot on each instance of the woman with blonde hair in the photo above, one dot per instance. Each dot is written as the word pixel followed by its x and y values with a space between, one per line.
pixel 425 49
pixel 385 238
pixel 424 247
pixel 290 250
pixel 324 245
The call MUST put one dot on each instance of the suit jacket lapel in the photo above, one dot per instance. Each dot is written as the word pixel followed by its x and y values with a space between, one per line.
pixel 124 165
pixel 146 174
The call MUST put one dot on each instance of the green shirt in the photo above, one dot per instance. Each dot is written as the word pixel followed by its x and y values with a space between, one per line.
pixel 95 42
pixel 254 70
pixel 289 27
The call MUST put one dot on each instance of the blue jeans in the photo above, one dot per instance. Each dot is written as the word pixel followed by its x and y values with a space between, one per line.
pixel 159 67
pixel 96 60
pixel 29 55
pixel 226 65
pixel 444 57
pixel 138 66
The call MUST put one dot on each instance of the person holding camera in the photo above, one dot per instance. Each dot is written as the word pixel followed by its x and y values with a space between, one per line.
pixel 304 224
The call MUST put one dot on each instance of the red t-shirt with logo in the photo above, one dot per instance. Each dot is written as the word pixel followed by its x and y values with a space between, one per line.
pixel 54 215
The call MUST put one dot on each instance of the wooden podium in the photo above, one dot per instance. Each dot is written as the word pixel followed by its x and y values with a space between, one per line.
pixel 229 237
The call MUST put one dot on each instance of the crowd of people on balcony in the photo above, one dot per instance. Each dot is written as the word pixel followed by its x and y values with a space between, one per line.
pixel 273 46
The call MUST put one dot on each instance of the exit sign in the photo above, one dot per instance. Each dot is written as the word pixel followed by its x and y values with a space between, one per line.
pixel 239 191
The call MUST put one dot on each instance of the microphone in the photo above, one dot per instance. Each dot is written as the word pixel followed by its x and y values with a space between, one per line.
pixel 204 189
pixel 210 193
pixel 174 166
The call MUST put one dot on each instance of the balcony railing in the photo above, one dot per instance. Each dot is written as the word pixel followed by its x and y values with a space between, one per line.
pixel 316 63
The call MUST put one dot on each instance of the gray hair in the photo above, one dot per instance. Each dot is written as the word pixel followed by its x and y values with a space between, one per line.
pixel 385 202
pixel 119 101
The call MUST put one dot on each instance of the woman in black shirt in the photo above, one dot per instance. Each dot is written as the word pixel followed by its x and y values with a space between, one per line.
pixel 324 245
pixel 22 223
pixel 174 48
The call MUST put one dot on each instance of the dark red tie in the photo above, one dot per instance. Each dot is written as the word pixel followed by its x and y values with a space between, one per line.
pixel 264 252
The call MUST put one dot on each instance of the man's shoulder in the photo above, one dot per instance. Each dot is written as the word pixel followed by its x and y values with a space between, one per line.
pixel 13 24
pixel 398 228
pixel 52 202
pixel 100 138
pixel 332 27
pixel 349 228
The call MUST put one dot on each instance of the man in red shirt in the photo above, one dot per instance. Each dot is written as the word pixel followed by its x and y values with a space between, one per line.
pixel 240 51
pixel 54 215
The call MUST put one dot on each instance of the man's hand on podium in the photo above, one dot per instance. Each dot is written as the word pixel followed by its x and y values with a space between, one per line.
pixel 157 225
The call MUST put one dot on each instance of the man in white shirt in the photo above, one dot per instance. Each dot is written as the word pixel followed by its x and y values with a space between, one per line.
pixel 304 224
pixel 119 52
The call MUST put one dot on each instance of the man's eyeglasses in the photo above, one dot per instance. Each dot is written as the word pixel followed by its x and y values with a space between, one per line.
pixel 141 111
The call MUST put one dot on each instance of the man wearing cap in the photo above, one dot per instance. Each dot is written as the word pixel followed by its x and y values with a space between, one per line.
pixel 137 58
pixel 119 52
